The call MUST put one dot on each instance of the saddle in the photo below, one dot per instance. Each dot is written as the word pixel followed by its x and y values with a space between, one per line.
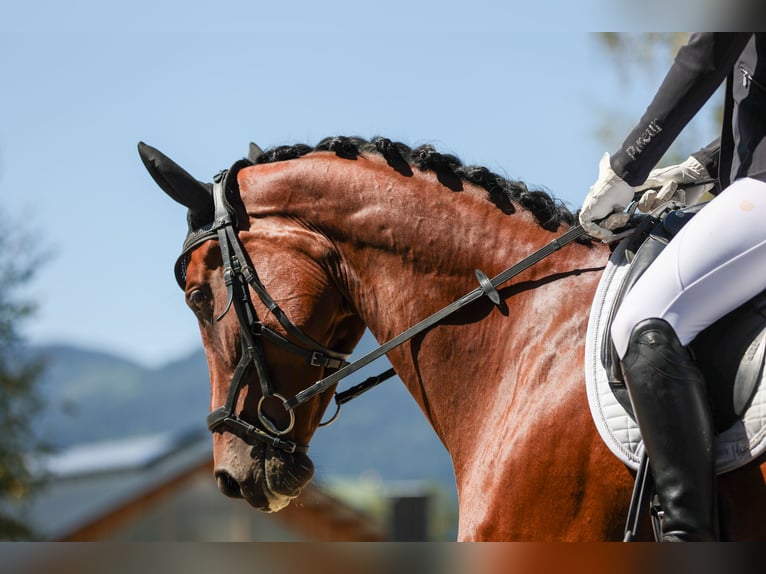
pixel 731 354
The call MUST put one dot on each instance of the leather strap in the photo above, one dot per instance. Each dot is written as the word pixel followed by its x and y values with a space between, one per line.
pixel 489 290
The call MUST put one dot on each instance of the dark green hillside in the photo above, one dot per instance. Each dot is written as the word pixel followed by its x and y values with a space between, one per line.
pixel 94 396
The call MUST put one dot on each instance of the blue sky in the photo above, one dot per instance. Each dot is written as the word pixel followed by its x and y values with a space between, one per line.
pixel 83 81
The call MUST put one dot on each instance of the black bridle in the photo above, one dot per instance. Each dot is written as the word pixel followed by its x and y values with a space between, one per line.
pixel 239 274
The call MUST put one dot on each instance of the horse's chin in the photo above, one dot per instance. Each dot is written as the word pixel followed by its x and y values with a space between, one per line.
pixel 270 481
pixel 265 499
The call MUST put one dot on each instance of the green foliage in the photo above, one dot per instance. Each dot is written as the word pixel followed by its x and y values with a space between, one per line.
pixel 647 51
pixel 369 494
pixel 19 399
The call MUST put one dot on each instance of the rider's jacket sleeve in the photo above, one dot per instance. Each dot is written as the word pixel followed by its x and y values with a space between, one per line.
pixel 699 68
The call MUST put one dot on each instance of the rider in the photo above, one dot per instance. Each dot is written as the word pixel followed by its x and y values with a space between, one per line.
pixel 714 264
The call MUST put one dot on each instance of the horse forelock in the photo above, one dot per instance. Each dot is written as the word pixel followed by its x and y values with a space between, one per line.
pixel 451 172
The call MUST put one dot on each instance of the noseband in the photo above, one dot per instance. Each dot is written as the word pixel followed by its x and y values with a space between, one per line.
pixel 238 275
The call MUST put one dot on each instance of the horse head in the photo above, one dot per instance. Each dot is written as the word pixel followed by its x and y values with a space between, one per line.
pixel 272 322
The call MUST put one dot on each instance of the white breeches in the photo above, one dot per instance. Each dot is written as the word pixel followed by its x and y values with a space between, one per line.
pixel 716 263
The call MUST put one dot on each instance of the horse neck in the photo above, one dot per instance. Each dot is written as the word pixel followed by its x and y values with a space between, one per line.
pixel 408 246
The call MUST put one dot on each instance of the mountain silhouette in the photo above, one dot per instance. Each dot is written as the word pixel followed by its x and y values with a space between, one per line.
pixel 94 396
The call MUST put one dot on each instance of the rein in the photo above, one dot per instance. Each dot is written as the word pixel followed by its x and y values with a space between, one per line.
pixel 487 287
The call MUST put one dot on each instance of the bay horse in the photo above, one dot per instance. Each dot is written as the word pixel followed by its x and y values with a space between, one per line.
pixel 355 234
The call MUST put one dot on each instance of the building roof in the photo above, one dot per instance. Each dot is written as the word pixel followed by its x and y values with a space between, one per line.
pixel 121 489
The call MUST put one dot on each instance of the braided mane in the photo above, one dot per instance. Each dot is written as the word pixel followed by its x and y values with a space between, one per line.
pixel 450 171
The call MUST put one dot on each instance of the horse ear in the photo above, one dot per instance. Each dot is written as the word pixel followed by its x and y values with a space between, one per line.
pixel 254 153
pixel 177 183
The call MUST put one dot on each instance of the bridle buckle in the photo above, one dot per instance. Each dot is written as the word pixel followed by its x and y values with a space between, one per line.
pixel 318 359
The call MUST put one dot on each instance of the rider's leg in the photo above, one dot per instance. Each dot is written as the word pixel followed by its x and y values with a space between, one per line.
pixel 669 399
pixel 716 263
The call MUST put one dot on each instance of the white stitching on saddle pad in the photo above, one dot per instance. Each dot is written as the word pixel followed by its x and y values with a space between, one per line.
pixel 735 447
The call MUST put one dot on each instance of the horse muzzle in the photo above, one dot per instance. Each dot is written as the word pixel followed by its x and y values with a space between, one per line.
pixel 267 478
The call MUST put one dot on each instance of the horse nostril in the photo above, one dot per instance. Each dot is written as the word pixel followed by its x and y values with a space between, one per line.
pixel 227 485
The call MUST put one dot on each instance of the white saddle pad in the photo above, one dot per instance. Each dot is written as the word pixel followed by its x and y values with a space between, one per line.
pixel 738 445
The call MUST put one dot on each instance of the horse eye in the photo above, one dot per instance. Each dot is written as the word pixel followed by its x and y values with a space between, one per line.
pixel 197 300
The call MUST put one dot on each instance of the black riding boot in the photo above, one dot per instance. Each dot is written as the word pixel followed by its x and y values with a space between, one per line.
pixel 669 399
